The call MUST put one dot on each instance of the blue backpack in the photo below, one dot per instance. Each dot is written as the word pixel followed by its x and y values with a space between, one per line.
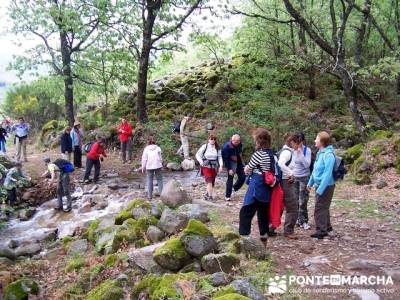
pixel 277 168
pixel 64 165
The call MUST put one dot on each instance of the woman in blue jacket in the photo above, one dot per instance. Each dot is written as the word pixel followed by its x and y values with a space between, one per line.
pixel 322 179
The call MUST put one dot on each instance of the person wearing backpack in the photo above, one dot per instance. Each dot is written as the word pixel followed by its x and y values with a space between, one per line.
pixel 322 178
pixel 152 165
pixel 76 136
pixel 286 164
pixel 301 173
pixel 63 167
pixel 66 144
pixel 258 193
pixel 210 159
pixel 93 157
pixel 11 182
pixel 125 133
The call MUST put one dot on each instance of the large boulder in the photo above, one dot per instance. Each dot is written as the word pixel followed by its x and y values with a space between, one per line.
pixel 7 252
pixel 245 288
pixel 174 195
pixel 173 166
pixel 78 247
pixel 21 289
pixel 172 255
pixel 220 279
pixel 28 250
pixel 172 221
pixel 154 234
pixel 197 239
pixel 225 262
pixel 194 211
pixel 143 258
pixel 107 290
pixel 251 247
pixel 188 164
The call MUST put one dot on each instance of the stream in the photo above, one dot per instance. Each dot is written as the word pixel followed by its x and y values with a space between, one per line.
pixel 46 220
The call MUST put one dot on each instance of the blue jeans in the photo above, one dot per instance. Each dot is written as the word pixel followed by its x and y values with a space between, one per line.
pixel 3 146
pixel 150 176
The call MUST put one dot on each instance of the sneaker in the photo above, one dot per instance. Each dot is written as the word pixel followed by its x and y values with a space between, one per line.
pixel 86 181
pixel 319 236
pixel 306 226
pixel 227 198
pixel 264 238
pixel 68 209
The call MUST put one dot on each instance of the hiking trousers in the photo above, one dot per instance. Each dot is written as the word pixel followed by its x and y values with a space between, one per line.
pixel 63 190
pixel 89 165
pixel 12 196
pixel 301 193
pixel 3 145
pixel 247 213
pixel 291 206
pixel 126 148
pixel 185 146
pixel 21 148
pixel 241 178
pixel 150 174
pixel 77 157
pixel 321 213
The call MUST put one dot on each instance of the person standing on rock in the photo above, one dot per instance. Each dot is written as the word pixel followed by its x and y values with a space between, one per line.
pixel 93 158
pixel 76 136
pixel 60 167
pixel 232 157
pixel 210 159
pixel 66 144
pixel 21 130
pixel 152 165
pixel 125 137
pixel 258 193
pixel 322 179
pixel 287 163
pixel 301 173
pixel 10 183
pixel 184 135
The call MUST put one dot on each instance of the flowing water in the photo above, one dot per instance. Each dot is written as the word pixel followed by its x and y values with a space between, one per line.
pixel 47 220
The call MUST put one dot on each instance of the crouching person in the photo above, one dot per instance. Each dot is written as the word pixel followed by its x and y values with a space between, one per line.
pixel 63 167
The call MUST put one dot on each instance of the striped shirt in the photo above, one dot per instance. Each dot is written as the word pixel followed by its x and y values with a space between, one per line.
pixel 260 161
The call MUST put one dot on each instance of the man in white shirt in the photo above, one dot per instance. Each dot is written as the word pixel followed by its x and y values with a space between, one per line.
pixel 184 136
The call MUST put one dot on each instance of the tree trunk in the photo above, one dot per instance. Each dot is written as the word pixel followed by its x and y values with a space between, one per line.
pixel 312 94
pixel 350 93
pixel 68 80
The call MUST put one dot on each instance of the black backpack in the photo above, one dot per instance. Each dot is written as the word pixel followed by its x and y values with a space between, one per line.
pixel 87 147
pixel 339 170
pixel 176 128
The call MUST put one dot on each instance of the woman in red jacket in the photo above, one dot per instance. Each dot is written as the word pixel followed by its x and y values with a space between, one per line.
pixel 96 153
pixel 125 134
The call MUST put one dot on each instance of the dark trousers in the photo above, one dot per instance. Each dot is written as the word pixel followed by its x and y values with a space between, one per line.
pixel 77 157
pixel 89 165
pixel 301 192
pixel 12 196
pixel 247 213
pixel 239 182
pixel 63 190
pixel 321 213
pixel 291 206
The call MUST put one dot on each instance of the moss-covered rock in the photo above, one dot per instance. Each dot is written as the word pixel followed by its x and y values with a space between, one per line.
pixel 223 262
pixel 21 289
pixel 353 153
pixel 196 227
pixel 108 290
pixel 126 213
pixel 172 255
pixel 227 290
pixel 232 296
pixel 133 231
pixel 163 287
pixel 91 233
pixel 197 239
pixel 75 264
pixel 377 149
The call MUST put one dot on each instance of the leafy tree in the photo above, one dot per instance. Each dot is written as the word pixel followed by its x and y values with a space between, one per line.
pixel 150 26
pixel 66 30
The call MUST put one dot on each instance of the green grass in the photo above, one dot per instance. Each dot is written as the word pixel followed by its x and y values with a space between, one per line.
pixel 365 209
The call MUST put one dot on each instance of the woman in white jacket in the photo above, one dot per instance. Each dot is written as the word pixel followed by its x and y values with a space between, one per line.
pixel 210 159
pixel 152 165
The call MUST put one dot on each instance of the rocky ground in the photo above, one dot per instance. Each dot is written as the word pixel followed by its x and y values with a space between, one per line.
pixel 365 242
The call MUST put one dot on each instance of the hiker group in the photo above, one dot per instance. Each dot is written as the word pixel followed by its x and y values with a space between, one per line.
pixel 276 181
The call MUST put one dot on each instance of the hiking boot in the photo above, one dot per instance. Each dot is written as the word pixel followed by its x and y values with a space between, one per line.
pixel 329 229
pixel 86 181
pixel 272 233
pixel 318 235
pixel 227 198
pixel 68 209
pixel 264 238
